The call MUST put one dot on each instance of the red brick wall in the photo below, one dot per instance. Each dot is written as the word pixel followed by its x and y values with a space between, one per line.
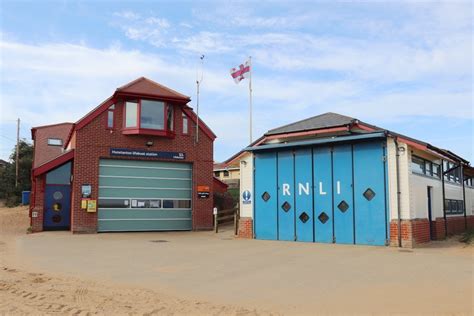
pixel 245 227
pixel 439 229
pixel 94 142
pixel 37 204
pixel 413 232
pixel 416 231
pixel 44 152
pixel 456 225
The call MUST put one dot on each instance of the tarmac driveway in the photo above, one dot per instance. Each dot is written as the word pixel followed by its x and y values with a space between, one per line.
pixel 279 276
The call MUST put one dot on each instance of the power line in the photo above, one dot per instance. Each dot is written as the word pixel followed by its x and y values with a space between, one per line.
pixel 11 139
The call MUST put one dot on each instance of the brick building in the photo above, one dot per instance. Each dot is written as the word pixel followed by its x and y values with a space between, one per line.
pixel 133 163
pixel 336 179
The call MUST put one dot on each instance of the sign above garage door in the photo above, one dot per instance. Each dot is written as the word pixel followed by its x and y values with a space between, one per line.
pixel 147 154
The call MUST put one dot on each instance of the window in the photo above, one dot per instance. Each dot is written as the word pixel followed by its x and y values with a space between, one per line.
pixel 141 203
pixel 110 116
pixel 226 173
pixel 152 114
pixel 468 182
pixel 134 203
pixel 417 165
pixel 436 170
pixel 114 203
pixel 454 175
pixel 454 206
pixel 55 142
pixel 148 117
pixel 131 113
pixel 169 119
pixel 217 173
pixel 177 204
pixel 185 124
pixel 426 167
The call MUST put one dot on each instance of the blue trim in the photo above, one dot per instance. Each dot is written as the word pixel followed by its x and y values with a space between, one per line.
pixel 318 141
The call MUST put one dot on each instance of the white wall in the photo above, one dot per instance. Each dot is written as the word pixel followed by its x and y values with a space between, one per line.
pixel 404 180
pixel 418 191
pixel 246 183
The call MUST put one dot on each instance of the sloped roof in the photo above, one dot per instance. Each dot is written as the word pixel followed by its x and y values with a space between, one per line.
pixel 316 122
pixel 145 86
pixel 53 163
pixel 40 134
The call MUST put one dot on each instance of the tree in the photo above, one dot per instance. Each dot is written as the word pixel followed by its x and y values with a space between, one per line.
pixel 8 191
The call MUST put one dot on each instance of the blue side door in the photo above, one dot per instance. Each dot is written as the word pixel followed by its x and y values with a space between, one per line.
pixel 323 212
pixel 304 195
pixel 342 188
pixel 286 196
pixel 369 193
pixel 57 214
pixel 266 196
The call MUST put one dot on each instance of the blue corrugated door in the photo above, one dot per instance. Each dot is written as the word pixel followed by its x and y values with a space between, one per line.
pixel 342 186
pixel 266 197
pixel 369 192
pixel 323 220
pixel 286 193
pixel 304 195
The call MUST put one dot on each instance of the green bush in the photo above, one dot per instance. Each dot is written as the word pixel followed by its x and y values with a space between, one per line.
pixel 467 237
pixel 8 191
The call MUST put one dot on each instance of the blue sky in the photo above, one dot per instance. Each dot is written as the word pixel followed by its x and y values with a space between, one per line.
pixel 405 66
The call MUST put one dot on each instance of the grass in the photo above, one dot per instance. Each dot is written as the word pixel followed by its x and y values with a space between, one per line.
pixel 468 237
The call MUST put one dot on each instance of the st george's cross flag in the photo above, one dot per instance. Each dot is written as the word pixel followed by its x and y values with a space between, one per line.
pixel 240 73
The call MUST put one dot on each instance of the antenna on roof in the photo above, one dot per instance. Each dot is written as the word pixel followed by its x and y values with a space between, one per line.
pixel 199 79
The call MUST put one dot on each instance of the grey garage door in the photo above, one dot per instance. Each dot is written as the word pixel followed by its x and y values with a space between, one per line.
pixel 144 196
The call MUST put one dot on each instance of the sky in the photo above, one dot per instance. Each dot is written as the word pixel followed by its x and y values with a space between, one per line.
pixel 405 66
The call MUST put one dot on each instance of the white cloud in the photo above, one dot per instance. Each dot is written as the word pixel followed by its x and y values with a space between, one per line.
pixel 151 29
pixel 54 82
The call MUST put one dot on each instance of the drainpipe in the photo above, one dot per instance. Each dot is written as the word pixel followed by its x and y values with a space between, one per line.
pixel 444 199
pixel 399 212
pixel 463 196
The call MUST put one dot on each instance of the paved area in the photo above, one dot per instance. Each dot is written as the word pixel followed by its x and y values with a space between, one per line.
pixel 293 278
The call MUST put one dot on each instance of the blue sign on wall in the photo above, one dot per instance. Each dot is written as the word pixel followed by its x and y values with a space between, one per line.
pixel 147 154
pixel 246 197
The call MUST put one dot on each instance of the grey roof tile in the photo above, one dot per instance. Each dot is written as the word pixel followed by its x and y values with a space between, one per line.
pixel 316 122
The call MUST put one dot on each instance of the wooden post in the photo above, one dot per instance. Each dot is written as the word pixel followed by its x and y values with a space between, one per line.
pixel 215 220
pixel 236 220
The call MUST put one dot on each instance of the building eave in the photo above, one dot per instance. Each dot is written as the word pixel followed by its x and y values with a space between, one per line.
pixel 54 163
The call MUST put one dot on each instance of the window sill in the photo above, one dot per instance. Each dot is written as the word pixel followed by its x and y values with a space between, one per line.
pixel 151 132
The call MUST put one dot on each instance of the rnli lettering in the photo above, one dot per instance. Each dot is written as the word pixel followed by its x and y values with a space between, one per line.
pixel 303 188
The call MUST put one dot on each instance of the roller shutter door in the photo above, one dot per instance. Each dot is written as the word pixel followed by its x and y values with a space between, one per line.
pixel 144 196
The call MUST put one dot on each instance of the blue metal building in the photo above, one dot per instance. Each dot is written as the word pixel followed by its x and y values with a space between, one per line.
pixel 334 179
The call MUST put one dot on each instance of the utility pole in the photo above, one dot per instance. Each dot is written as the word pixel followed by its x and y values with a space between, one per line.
pixel 17 151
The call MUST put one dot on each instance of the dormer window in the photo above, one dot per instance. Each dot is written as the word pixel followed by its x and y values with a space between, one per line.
pixel 148 117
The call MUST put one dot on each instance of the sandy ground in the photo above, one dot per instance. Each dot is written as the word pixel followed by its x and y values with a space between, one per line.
pixel 202 273
pixel 29 292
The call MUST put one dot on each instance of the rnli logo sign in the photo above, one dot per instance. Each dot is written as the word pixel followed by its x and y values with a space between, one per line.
pixel 303 188
pixel 246 197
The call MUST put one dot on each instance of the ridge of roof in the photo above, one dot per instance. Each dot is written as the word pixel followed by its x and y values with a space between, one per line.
pixel 328 115
pixel 136 81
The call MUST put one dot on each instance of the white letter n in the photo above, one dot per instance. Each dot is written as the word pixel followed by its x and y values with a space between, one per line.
pixel 301 187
